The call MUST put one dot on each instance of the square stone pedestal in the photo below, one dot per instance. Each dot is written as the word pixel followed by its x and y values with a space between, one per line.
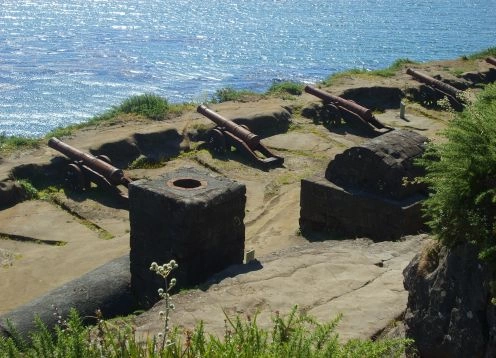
pixel 326 206
pixel 188 215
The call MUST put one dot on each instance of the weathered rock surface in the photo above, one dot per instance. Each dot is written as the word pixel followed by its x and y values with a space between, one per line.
pixel 106 288
pixel 449 312
pixel 359 278
pixel 11 193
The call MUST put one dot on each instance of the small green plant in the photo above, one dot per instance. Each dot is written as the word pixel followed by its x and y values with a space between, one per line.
pixel 30 191
pixel 147 105
pixel 60 132
pixel 164 293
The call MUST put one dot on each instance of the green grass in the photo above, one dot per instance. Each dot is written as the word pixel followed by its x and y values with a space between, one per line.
pixel 491 51
pixel 30 191
pixel 146 163
pixel 8 144
pixel 148 105
pixel 386 72
pixel 286 89
pixel 231 94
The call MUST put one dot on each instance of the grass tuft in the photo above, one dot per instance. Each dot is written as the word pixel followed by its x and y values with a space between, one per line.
pixel 285 88
pixel 231 94
pixel 147 105
pixel 386 72
pixel 8 144
pixel 491 51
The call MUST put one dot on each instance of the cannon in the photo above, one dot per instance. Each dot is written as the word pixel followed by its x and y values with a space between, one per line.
pixel 365 115
pixel 453 94
pixel 87 168
pixel 491 60
pixel 228 133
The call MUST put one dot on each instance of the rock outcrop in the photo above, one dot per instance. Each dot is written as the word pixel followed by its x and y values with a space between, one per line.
pixel 449 311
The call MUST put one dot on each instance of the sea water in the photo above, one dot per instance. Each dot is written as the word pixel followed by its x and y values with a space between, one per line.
pixel 65 61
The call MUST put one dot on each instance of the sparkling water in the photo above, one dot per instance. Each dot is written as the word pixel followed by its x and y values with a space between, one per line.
pixel 63 62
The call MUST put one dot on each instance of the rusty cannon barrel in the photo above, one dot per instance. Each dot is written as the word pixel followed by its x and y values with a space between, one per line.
pixel 112 174
pixel 363 112
pixel 241 132
pixel 440 85
pixel 491 60
pixel 227 133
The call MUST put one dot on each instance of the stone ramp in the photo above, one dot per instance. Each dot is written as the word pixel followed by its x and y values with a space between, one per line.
pixel 359 278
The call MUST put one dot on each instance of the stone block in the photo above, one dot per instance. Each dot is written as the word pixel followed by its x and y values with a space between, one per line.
pixel 355 213
pixel 191 216
pixel 382 165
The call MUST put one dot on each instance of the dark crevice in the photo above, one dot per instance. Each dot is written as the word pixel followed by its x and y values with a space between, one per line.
pixel 22 238
pixel 102 233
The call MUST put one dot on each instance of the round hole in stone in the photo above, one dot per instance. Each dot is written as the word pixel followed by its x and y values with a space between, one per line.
pixel 187 183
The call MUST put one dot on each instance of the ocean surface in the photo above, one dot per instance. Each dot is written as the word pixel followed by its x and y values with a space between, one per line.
pixel 65 61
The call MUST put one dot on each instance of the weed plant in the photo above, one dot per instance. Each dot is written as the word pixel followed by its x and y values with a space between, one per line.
pixel 296 335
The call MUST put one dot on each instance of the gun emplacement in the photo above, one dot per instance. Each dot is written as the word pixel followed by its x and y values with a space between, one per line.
pixel 454 94
pixel 227 134
pixel 86 167
pixel 361 112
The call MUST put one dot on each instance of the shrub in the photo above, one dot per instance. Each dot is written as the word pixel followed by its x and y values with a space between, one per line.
pixel 461 173
pixel 148 105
